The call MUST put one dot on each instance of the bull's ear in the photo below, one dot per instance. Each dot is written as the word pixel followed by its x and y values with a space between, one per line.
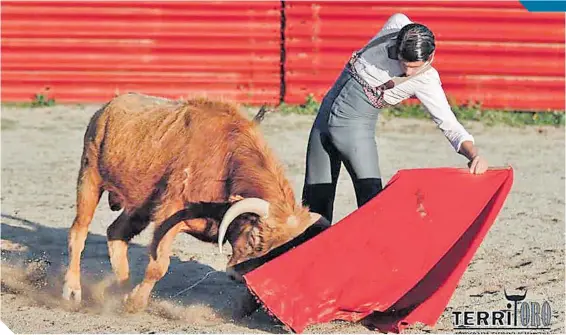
pixel 255 238
pixel 234 198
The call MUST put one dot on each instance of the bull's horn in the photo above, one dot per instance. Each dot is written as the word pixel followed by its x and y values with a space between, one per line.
pixel 249 205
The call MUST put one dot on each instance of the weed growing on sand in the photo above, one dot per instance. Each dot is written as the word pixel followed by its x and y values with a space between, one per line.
pixel 42 99
pixel 471 111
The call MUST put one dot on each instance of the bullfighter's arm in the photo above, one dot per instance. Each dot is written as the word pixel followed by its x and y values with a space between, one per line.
pixel 434 99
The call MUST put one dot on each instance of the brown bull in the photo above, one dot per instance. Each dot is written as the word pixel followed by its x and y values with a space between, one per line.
pixel 156 156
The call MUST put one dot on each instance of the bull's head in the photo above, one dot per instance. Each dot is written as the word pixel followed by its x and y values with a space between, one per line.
pixel 252 241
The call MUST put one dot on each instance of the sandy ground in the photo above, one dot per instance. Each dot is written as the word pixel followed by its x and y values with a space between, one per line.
pixel 40 159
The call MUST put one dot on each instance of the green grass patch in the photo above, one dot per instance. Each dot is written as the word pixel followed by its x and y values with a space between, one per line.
pixel 463 112
pixel 38 100
pixel 16 104
pixel 310 107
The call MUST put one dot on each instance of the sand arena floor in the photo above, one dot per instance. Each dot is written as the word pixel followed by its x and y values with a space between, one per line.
pixel 41 149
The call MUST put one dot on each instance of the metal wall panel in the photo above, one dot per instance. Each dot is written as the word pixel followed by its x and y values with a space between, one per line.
pixel 86 51
pixel 495 52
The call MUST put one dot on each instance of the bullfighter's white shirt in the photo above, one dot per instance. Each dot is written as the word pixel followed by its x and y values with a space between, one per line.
pixel 375 67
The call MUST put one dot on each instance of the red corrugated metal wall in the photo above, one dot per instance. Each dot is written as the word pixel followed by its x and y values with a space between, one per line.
pixel 85 51
pixel 495 52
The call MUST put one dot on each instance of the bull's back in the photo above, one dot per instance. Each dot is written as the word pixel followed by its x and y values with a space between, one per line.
pixel 148 141
pixel 142 135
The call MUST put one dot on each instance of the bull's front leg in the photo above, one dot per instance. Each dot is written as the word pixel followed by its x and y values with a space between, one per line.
pixel 138 299
pixel 119 233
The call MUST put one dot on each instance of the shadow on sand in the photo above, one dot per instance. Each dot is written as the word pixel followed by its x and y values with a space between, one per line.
pixel 27 242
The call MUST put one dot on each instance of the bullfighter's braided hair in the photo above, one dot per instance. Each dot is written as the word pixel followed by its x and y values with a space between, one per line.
pixel 415 42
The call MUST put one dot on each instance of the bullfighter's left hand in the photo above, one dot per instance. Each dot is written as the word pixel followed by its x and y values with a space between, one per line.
pixel 478 165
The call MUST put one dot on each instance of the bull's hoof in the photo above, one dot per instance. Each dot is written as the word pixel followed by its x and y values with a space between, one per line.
pixel 72 292
pixel 135 302
pixel 109 287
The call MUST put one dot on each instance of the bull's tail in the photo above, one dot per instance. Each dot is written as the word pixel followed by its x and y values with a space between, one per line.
pixel 199 210
pixel 94 139
pixel 92 142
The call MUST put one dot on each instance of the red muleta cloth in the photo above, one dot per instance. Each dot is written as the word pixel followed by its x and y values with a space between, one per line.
pixel 393 262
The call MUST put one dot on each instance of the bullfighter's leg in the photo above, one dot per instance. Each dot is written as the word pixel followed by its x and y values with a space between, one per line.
pixel 321 175
pixel 358 150
pixel 139 297
pixel 119 234
pixel 88 195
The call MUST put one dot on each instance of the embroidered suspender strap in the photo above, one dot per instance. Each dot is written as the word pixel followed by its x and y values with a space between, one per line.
pixel 376 94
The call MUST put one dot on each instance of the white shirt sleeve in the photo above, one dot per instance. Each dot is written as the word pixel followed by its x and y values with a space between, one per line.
pixel 434 99
pixel 396 21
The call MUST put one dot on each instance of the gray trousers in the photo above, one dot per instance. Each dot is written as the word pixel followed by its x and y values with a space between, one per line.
pixel 343 132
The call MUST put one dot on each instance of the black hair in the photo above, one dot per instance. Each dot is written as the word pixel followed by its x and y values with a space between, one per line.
pixel 415 42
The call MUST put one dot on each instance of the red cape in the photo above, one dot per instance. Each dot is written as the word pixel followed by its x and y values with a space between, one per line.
pixel 393 262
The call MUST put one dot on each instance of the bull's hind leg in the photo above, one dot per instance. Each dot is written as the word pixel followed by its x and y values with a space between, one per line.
pixel 88 196
pixel 119 234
